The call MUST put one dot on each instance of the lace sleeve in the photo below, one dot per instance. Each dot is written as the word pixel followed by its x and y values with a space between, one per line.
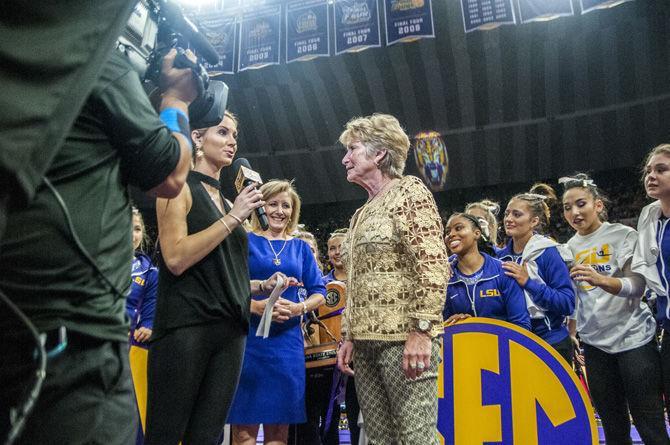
pixel 345 256
pixel 421 235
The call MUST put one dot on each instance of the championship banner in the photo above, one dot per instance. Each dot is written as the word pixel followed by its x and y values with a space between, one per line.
pixel 499 383
pixel 543 10
pixel 219 30
pixel 356 25
pixel 260 38
pixel 307 30
pixel 487 14
pixel 592 5
pixel 408 20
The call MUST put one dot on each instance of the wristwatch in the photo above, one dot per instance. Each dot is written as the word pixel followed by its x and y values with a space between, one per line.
pixel 424 325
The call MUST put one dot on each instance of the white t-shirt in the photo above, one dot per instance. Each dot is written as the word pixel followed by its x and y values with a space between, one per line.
pixel 609 322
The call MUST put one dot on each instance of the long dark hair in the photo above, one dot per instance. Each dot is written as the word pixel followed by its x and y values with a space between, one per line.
pixel 582 180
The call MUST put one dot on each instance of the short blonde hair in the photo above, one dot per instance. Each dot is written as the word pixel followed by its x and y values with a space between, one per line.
pixel 269 190
pixel 380 132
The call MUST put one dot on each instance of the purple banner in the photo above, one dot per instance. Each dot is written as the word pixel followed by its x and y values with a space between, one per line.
pixel 220 32
pixel 487 14
pixel 260 34
pixel 356 25
pixel 592 5
pixel 543 10
pixel 408 20
pixel 307 30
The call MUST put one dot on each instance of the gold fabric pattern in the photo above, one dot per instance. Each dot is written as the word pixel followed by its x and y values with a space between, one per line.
pixel 397 264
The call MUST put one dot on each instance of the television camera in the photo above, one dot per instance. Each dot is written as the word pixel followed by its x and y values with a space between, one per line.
pixel 155 27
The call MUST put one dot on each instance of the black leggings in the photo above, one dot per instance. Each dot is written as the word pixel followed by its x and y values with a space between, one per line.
pixel 629 379
pixel 665 366
pixel 566 349
pixel 192 376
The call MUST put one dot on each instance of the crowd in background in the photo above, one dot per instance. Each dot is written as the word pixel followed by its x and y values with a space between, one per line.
pixel 623 187
pixel 624 190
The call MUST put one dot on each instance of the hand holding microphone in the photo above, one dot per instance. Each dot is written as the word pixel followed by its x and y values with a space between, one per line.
pixel 245 183
pixel 248 200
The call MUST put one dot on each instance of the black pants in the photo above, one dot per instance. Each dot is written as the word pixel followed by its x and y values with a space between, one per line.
pixel 192 376
pixel 317 396
pixel 318 387
pixel 630 379
pixel 87 396
pixel 665 366
pixel 565 348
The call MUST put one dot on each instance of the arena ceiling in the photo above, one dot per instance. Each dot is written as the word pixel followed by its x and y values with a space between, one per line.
pixel 588 92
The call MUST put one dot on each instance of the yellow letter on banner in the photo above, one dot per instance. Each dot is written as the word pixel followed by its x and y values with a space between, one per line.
pixel 533 381
pixel 473 422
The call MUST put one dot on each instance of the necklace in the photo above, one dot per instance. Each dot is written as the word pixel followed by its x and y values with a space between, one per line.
pixel 382 189
pixel 277 261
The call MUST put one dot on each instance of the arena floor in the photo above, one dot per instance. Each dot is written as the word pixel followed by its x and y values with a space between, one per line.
pixel 345 440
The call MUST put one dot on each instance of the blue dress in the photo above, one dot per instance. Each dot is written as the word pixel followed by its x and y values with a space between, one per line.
pixel 272 383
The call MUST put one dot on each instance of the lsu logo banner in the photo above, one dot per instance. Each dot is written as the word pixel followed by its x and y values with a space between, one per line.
pixel 500 384
pixel 431 158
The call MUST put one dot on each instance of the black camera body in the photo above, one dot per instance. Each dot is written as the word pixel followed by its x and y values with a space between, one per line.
pixel 155 27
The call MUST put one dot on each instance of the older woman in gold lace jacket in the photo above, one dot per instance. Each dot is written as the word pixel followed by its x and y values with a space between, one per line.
pixel 397 277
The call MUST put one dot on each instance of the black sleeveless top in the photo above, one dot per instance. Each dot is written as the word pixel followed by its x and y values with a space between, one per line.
pixel 215 289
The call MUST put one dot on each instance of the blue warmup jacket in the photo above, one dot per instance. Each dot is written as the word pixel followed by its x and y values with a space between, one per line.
pixel 493 295
pixel 141 301
pixel 663 267
pixel 556 295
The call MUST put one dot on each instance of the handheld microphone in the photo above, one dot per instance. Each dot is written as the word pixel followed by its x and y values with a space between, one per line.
pixel 244 176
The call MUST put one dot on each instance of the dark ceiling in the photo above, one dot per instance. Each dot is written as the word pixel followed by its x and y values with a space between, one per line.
pixel 588 92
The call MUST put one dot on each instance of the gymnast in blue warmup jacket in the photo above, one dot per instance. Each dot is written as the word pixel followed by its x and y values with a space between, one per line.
pixel 140 307
pixel 478 286
pixel 538 264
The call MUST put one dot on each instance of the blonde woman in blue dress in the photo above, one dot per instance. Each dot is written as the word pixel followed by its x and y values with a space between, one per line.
pixel 271 391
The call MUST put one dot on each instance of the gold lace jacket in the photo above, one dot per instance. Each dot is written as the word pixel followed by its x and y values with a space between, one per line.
pixel 397 264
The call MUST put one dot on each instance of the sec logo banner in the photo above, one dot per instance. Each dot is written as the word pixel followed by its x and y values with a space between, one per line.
pixel 500 384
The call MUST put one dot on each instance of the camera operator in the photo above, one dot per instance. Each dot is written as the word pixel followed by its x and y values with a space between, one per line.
pixel 50 55
pixel 65 259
